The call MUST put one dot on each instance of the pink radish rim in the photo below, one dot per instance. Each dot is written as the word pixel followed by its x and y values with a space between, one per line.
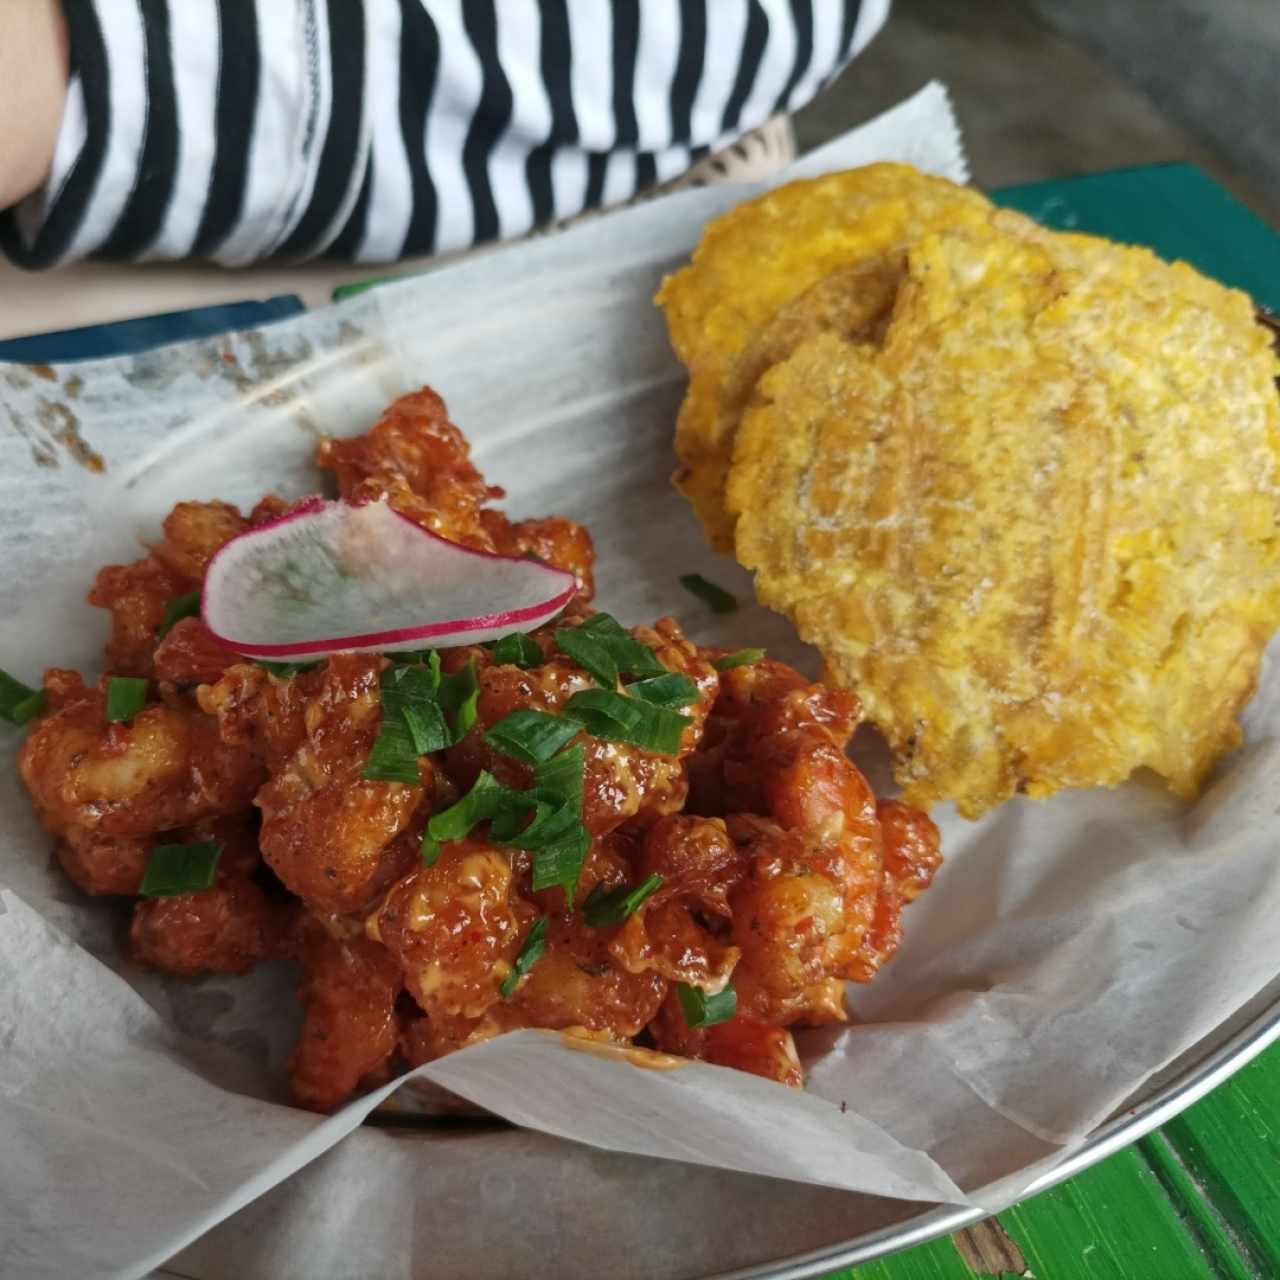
pixel 479 622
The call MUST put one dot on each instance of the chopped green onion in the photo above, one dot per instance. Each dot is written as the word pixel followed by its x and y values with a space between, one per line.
pixel 672 690
pixel 175 610
pixel 563 775
pixel 530 735
pixel 553 820
pixel 415 698
pixel 616 718
pixel 519 649
pixel 287 670
pixel 29 708
pixel 485 799
pixel 602 647
pixel 423 657
pixel 717 599
pixel 561 864
pixel 459 695
pixel 175 869
pixel 409 693
pixel 589 654
pixel 531 950
pixel 394 757
pixel 702 1010
pixel 431 849
pixel 126 696
pixel 546 820
pixel 603 908
pixel 743 658
pixel 18 702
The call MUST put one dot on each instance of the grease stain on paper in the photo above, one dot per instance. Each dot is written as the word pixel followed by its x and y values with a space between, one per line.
pixel 64 427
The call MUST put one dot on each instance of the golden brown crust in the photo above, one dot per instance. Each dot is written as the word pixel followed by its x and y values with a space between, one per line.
pixel 821 255
pixel 1036 526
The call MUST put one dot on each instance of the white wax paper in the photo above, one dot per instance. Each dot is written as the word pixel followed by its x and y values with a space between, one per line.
pixel 1067 951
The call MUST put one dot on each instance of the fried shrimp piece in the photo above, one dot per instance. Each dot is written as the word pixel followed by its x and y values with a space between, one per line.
pixel 622 782
pixel 575 984
pixel 330 834
pixel 742 1043
pixel 226 928
pixel 136 594
pixel 262 712
pixel 349 989
pixel 417 460
pixel 194 532
pixel 673 932
pixel 558 541
pixel 455 927
pixel 165 768
pixel 816 904
pixel 101 864
pixel 911 857
pixel 189 655
pixel 415 441
pixel 572 987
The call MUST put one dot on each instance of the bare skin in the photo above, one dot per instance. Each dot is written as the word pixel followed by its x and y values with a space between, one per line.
pixel 33 89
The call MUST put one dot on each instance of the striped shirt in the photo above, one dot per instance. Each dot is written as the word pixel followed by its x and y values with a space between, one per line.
pixel 369 130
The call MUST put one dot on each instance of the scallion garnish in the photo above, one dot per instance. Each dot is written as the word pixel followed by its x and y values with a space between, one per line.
pixel 175 869
pixel 702 1010
pixel 287 670
pixel 394 757
pixel 616 718
pixel 480 804
pixel 459 695
pixel 743 658
pixel 409 692
pixel 531 735
pixel 605 907
pixel 417 702
pixel 602 647
pixel 563 775
pixel 519 649
pixel 431 848
pixel 175 610
pixel 429 657
pixel 671 690
pixel 126 696
pixel 717 599
pixel 18 702
pixel 531 951
pixel 561 864
pixel 536 820
pixel 546 820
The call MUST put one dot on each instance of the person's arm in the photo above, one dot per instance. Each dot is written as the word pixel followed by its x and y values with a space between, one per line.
pixel 33 87
pixel 372 130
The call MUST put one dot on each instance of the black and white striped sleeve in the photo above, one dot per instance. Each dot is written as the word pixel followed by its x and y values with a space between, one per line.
pixel 241 130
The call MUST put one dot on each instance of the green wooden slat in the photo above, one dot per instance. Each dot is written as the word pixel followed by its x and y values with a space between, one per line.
pixel 937 1260
pixel 1230 1144
pixel 1175 209
pixel 1115 1221
pixel 1198 1212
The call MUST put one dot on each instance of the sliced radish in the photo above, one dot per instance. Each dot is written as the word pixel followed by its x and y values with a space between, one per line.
pixel 330 576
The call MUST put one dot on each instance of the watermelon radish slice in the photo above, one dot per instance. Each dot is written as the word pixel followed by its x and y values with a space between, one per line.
pixel 330 576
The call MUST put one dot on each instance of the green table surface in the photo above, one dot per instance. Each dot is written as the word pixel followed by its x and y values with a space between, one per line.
pixel 1199 1198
